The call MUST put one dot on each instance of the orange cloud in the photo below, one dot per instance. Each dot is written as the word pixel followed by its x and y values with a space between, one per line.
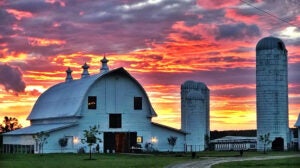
pixel 12 56
pixel 61 2
pixel 33 41
pixel 19 15
pixel 217 4
pixel 250 18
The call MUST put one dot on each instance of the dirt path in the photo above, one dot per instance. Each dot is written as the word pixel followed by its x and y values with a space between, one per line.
pixel 207 163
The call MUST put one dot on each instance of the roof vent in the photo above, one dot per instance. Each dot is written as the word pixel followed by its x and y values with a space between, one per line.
pixel 85 72
pixel 104 67
pixel 69 77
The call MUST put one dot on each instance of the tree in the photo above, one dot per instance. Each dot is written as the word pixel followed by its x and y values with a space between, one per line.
pixel 9 124
pixel 149 147
pixel 91 137
pixel 63 142
pixel 265 139
pixel 172 142
pixel 41 139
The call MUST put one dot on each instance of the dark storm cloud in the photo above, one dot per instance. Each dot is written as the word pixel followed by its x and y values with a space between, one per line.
pixel 97 26
pixel 32 6
pixel 11 78
pixel 243 49
pixel 228 76
pixel 293 72
pixel 237 31
pixel 235 92
pixel 228 59
pixel 191 36
pixel 6 23
pixel 41 64
pixel 212 16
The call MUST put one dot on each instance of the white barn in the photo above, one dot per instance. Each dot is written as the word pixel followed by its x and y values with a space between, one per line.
pixel 117 104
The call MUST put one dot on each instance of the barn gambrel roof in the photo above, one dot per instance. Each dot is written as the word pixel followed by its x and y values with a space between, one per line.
pixel 65 99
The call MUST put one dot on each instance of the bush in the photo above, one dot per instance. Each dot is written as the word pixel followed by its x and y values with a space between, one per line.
pixel 81 150
pixel 63 142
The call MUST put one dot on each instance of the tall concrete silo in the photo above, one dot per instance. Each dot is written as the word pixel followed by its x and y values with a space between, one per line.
pixel 272 92
pixel 195 114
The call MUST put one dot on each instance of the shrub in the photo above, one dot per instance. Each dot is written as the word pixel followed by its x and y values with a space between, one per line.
pixel 81 150
pixel 63 142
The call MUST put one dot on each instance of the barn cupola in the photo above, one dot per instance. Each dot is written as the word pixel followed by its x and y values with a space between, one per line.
pixel 104 68
pixel 85 72
pixel 69 75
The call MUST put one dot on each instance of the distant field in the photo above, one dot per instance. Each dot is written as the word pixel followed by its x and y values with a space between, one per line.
pixel 274 163
pixel 114 160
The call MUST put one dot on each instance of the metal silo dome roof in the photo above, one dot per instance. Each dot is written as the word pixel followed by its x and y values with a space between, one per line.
pixel 193 85
pixel 270 42
pixel 195 95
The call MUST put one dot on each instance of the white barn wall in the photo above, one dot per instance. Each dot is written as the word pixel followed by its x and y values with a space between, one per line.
pixel 21 139
pixel 120 90
pixel 162 135
pixel 52 145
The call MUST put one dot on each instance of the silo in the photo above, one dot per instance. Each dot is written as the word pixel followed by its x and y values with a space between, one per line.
pixel 195 114
pixel 272 92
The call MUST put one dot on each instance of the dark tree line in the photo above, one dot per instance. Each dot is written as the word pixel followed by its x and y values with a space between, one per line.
pixel 9 124
pixel 219 134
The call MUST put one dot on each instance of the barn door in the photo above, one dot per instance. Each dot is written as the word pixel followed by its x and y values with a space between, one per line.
pixel 109 142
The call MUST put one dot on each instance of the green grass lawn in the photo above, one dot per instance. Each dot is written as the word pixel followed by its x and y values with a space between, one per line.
pixel 80 160
pixel 117 160
pixel 274 163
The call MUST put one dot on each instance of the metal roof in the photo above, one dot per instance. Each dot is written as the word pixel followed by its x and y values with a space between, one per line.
pixel 269 43
pixel 33 129
pixel 62 100
pixel 168 128
pixel 230 139
pixel 190 84
pixel 65 99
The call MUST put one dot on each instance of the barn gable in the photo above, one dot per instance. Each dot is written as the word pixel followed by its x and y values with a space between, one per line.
pixel 65 99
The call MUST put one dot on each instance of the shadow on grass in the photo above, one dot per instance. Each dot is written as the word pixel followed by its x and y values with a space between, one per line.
pixel 90 159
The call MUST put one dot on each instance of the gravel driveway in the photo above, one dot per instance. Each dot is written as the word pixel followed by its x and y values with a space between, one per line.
pixel 207 163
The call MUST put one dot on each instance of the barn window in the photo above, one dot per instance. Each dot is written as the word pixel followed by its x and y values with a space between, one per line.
pixel 115 121
pixel 138 103
pixel 92 102
pixel 139 139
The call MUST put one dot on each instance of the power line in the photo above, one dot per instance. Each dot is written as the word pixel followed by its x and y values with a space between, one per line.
pixel 268 13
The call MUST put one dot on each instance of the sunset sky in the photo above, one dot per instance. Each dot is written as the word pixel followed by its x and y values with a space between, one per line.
pixel 162 43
